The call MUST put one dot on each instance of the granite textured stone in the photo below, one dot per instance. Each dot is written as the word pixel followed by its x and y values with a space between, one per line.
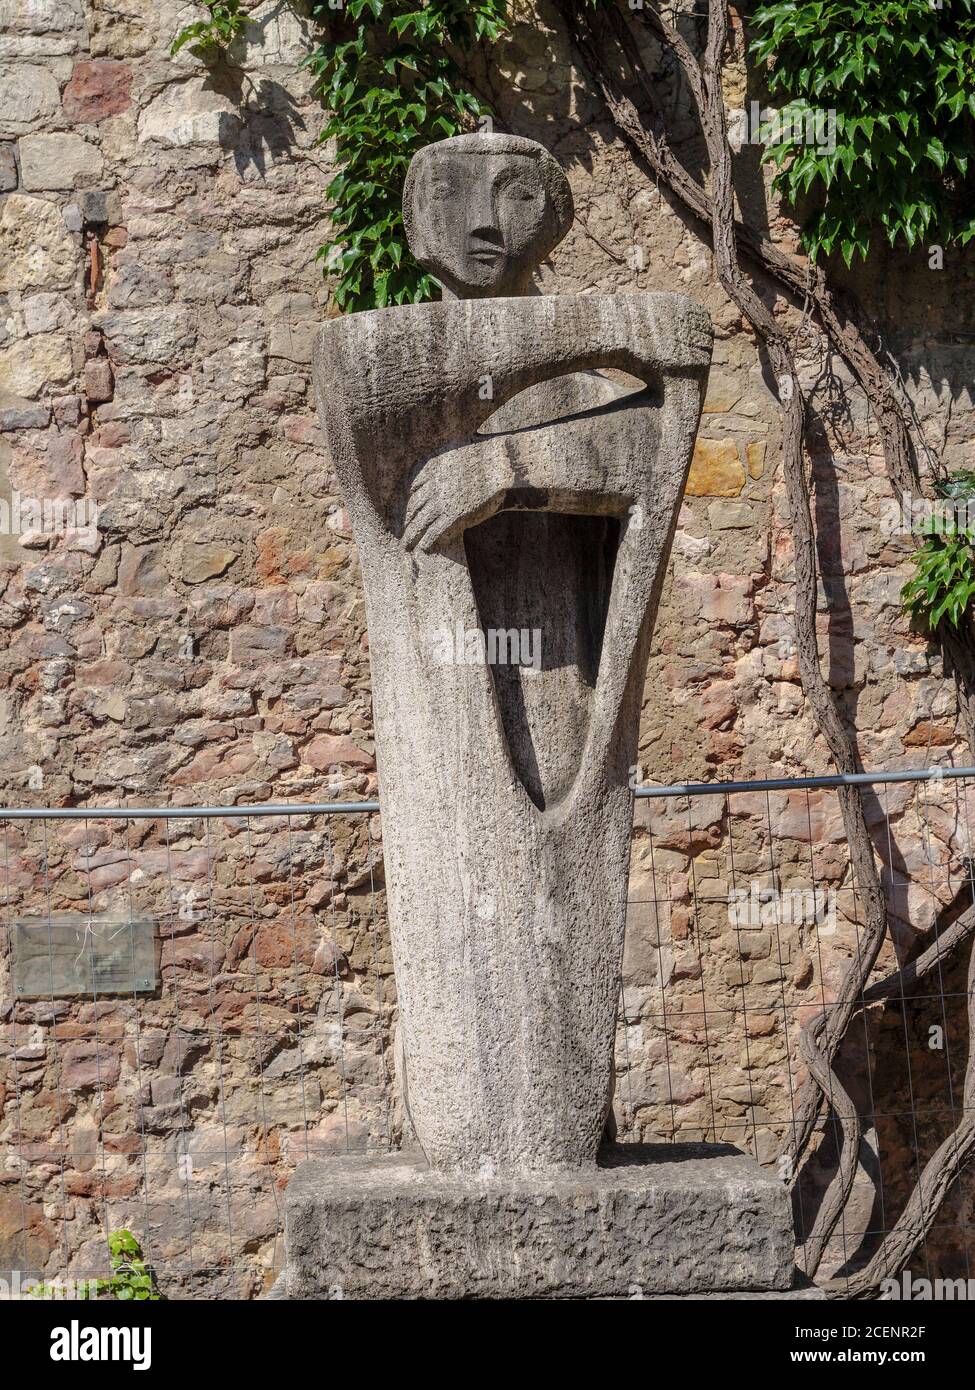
pixel 499 481
pixel 651 1219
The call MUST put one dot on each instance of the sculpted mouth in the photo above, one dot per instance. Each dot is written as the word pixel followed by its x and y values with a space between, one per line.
pixel 486 254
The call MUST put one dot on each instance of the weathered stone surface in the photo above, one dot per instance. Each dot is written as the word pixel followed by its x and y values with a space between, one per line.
pixel 24 416
pixel 293 325
pixel 716 469
pixel 89 1065
pixel 730 516
pixel 93 204
pixel 45 313
pixel 139 570
pixel 26 1237
pixel 506 805
pixel 42 16
pixel 197 561
pixel 99 382
pixel 329 751
pixel 28 93
pixel 36 249
pixel 801 1292
pixel 755 458
pixel 58 161
pixel 134 286
pixel 252 643
pixel 723 394
pixel 97 88
pixel 153 336
pixel 273 36
pixel 55 472
pixel 29 367
pixel 8 167
pixel 649 1219
pixel 190 113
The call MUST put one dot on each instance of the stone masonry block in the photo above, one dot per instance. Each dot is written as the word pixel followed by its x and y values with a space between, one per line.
pixel 650 1219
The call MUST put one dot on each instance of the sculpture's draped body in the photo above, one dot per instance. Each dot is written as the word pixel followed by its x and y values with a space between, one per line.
pixel 511 463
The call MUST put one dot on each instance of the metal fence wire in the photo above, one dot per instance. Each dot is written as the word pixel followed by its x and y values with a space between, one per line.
pixel 193 1000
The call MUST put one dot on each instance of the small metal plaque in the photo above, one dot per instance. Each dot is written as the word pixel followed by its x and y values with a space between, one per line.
pixel 84 957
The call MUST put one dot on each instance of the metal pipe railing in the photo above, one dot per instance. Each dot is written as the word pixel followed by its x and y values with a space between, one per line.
pixel 295 808
pixel 780 784
pixel 325 808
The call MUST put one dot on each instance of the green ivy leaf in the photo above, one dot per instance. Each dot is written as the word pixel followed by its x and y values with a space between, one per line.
pixel 898 74
pixel 392 87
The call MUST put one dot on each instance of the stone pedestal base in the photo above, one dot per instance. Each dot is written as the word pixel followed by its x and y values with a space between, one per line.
pixel 650 1220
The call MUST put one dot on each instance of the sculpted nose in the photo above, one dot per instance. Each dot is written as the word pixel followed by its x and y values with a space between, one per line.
pixel 482 219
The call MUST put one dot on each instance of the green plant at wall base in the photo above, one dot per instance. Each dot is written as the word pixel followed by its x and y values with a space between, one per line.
pixel 389 74
pixel 131 1278
pixel 209 36
pixel 900 76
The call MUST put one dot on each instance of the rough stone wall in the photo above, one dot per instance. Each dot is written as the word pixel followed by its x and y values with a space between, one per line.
pixel 206 645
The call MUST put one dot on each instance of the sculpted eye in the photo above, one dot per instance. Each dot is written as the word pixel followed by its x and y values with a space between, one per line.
pixel 519 192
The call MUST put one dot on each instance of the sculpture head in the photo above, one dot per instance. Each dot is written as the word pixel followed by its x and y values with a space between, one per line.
pixel 481 212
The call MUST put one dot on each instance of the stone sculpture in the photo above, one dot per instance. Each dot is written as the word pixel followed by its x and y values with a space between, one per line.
pixel 512 464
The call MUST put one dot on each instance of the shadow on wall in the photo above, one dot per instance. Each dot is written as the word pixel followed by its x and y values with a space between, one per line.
pixel 262 126
pixel 265 131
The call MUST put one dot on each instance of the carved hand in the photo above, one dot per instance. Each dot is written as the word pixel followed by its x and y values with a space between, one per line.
pixel 448 496
pixel 596 463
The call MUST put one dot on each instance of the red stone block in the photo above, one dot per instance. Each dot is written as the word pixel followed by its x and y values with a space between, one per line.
pixel 98 88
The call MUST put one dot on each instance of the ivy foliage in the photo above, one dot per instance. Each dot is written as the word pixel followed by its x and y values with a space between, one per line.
pixel 211 35
pixel 389 73
pixel 131 1277
pixel 900 76
pixel 942 588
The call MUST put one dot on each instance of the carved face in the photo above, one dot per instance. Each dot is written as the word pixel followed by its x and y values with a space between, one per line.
pixel 480 219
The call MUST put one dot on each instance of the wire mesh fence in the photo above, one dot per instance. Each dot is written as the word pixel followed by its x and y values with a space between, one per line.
pixel 193 1001
pixel 757 915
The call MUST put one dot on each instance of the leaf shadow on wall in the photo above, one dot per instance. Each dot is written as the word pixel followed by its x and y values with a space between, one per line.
pixel 263 129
